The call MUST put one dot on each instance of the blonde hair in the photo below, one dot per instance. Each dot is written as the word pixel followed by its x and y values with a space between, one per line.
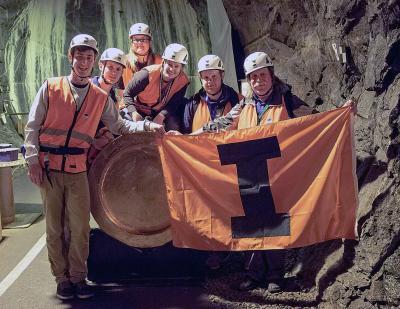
pixel 132 59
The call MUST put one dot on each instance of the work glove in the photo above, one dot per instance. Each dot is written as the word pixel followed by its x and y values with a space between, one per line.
pixel 125 114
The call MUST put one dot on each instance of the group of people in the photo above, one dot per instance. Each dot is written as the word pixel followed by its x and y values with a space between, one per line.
pixel 73 117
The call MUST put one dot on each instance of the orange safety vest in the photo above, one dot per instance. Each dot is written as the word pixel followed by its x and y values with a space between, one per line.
pixel 65 128
pixel 202 114
pixel 274 113
pixel 149 99
pixel 131 67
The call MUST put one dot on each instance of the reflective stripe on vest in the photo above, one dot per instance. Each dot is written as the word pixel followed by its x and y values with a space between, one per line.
pixel 131 67
pixel 274 113
pixel 64 126
pixel 74 134
pixel 202 114
pixel 149 99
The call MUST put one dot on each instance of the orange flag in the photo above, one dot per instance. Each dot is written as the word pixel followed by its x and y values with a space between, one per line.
pixel 284 185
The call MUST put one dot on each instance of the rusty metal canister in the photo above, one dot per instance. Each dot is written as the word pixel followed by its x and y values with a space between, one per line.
pixel 128 195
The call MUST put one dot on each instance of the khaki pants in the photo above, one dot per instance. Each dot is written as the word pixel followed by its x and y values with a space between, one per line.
pixel 67 200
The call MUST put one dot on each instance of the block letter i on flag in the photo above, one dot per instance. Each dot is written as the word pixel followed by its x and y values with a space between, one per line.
pixel 260 219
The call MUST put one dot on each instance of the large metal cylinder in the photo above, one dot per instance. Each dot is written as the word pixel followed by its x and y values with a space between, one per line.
pixel 7 208
pixel 128 195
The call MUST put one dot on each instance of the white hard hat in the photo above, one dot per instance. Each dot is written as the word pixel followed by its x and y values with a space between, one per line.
pixel 84 40
pixel 139 28
pixel 210 62
pixel 176 52
pixel 255 61
pixel 114 54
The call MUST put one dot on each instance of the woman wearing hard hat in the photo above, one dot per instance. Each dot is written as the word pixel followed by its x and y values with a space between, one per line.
pixel 140 54
pixel 157 91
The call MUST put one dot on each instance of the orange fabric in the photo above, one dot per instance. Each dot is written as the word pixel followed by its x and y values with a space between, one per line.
pixel 131 68
pixel 59 119
pixel 275 113
pixel 203 116
pixel 149 97
pixel 313 181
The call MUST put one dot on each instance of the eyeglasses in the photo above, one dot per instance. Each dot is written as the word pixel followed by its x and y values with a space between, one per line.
pixel 140 40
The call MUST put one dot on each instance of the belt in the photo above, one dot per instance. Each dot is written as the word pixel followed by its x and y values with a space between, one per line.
pixel 63 150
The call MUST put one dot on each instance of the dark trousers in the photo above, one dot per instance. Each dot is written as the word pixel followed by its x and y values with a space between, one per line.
pixel 265 265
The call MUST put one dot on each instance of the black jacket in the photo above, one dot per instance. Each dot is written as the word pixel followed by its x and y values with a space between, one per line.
pixel 228 95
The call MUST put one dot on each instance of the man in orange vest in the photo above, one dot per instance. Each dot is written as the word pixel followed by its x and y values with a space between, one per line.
pixel 62 123
pixel 140 54
pixel 157 91
pixel 271 101
pixel 213 100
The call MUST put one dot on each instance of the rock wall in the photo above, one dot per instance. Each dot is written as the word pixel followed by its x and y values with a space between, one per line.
pixel 299 36
pixel 35 36
pixel 8 125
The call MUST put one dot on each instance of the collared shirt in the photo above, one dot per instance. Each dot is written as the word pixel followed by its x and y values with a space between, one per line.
pixel 262 106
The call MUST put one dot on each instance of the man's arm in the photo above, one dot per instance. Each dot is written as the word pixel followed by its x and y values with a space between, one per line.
pixel 188 115
pixel 117 125
pixel 136 85
pixel 37 115
pixel 36 118
pixel 229 121
pixel 298 107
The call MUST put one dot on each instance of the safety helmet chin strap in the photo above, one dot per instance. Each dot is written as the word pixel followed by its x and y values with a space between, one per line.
pixel 73 70
pixel 102 75
pixel 268 93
